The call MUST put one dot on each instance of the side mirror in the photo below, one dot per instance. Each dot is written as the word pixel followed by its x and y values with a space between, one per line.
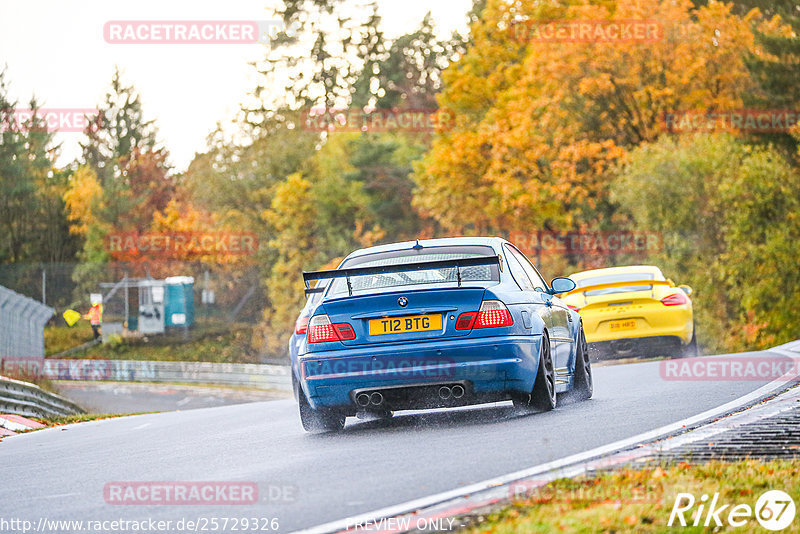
pixel 562 284
pixel 686 289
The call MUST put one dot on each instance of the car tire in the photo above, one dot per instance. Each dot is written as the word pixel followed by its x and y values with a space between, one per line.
pixel 690 350
pixel 582 382
pixel 543 396
pixel 317 420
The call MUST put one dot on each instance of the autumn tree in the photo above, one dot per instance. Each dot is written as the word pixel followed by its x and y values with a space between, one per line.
pixel 236 178
pixel 32 217
pixel 357 186
pixel 382 166
pixel 319 55
pixel 125 172
pixel 775 66
pixel 409 73
pixel 540 124
pixel 293 217
pixel 117 131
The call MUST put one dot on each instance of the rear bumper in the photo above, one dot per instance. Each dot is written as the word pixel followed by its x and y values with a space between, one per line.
pixel 631 347
pixel 651 322
pixel 488 367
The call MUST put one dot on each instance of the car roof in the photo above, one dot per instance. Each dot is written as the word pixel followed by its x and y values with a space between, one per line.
pixel 618 270
pixel 494 242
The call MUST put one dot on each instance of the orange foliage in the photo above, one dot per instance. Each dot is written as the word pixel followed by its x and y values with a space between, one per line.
pixel 183 233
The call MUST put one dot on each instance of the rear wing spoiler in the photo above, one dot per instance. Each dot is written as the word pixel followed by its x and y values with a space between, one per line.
pixel 309 277
pixel 628 283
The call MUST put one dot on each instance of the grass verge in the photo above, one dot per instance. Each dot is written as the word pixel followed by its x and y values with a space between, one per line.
pixel 80 418
pixel 60 338
pixel 641 500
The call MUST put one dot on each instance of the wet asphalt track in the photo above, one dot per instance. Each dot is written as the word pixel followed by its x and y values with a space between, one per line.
pixel 60 473
pixel 133 397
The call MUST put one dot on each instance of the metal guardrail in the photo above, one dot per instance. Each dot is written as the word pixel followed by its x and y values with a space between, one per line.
pixel 262 376
pixel 22 398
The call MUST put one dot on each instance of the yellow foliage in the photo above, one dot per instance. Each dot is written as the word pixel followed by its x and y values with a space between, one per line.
pixel 83 199
pixel 292 216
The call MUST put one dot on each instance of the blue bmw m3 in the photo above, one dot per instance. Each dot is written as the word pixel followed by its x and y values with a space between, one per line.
pixel 432 324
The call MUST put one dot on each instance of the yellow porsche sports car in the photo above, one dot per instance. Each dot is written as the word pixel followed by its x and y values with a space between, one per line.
pixel 631 311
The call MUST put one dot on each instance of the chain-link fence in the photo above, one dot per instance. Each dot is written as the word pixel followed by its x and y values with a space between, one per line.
pixel 49 283
pixel 206 311
pixel 221 293
pixel 22 321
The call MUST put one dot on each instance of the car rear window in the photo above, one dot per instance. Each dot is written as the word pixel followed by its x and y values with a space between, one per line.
pixel 611 278
pixel 366 283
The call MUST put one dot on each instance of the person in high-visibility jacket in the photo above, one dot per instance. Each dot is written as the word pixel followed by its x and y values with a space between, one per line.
pixel 95 317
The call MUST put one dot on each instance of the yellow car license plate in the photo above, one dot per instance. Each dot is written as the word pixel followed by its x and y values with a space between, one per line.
pixel 402 325
pixel 628 324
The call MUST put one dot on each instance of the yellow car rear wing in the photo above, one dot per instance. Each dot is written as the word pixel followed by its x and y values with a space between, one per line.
pixel 627 283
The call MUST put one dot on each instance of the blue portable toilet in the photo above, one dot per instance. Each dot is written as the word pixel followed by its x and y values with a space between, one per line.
pixel 179 301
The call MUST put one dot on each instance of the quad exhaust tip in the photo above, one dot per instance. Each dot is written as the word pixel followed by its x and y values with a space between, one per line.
pixel 365 399
pixel 455 392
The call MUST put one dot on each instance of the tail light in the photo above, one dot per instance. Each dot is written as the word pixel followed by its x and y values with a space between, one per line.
pixel 301 326
pixel 344 331
pixel 492 313
pixel 573 308
pixel 466 320
pixel 675 299
pixel 320 330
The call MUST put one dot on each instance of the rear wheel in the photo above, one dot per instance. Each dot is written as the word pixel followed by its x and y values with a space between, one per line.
pixel 690 350
pixel 317 420
pixel 582 384
pixel 543 396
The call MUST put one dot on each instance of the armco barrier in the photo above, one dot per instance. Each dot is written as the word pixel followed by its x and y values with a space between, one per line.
pixel 262 376
pixel 26 399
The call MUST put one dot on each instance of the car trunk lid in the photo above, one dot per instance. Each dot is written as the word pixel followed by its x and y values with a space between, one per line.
pixel 399 316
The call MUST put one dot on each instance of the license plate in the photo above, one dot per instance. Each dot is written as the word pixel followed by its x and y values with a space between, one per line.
pixel 615 326
pixel 402 325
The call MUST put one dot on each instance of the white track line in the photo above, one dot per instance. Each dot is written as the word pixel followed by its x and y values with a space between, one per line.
pixel 439 498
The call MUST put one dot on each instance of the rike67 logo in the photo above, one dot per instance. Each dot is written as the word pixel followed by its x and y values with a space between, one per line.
pixel 774 510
